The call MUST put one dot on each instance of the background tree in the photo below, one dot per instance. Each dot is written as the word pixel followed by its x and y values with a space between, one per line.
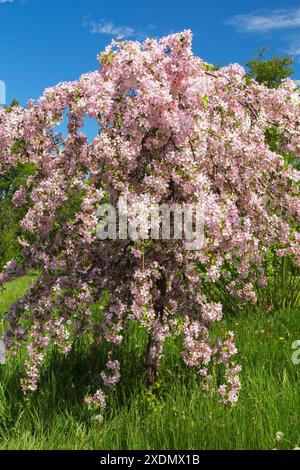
pixel 283 288
pixel 271 71
pixel 10 215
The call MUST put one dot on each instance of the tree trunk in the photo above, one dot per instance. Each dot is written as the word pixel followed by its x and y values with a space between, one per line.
pixel 155 347
pixel 153 354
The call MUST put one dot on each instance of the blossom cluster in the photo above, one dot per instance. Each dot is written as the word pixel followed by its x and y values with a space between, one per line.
pixel 172 130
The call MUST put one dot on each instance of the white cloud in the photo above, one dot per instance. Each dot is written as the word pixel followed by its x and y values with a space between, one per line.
pixel 107 27
pixel 266 20
pixel 294 48
pixel 6 1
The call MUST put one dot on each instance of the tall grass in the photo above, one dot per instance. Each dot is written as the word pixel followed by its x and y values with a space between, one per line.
pixel 282 290
pixel 180 415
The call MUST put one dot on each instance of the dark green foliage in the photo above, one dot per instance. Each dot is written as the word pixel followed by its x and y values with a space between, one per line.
pixel 273 138
pixel 13 104
pixel 10 216
pixel 283 287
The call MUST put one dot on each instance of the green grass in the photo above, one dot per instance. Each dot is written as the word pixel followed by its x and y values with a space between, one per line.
pixel 179 416
pixel 13 291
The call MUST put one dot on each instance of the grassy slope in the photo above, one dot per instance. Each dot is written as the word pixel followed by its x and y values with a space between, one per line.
pixel 180 416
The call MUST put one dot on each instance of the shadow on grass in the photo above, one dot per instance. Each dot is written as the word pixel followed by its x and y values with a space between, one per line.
pixel 66 380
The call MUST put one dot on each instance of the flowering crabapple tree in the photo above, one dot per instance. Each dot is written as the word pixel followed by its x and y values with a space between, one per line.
pixel 174 130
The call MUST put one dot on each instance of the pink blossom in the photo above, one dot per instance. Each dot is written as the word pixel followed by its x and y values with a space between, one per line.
pixel 172 131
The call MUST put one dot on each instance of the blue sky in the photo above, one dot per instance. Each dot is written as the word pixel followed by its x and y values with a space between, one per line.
pixel 44 42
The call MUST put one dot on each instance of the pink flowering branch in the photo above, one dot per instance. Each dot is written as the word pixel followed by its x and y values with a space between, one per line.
pixel 171 131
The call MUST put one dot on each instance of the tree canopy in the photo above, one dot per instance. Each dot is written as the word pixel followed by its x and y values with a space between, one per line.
pixel 173 131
